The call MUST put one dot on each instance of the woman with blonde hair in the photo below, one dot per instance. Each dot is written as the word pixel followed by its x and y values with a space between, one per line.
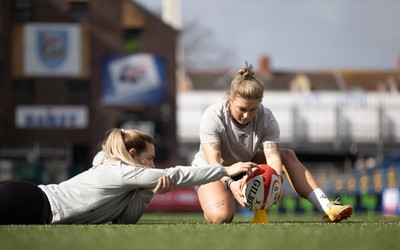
pixel 117 188
pixel 235 130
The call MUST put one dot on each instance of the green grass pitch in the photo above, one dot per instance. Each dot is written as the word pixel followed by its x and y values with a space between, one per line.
pixel 189 231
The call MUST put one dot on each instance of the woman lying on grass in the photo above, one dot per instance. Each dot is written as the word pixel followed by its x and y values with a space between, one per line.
pixel 117 188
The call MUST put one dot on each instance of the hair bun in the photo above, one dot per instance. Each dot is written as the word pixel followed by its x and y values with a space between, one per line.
pixel 247 72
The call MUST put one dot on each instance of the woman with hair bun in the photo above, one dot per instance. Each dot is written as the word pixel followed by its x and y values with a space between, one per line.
pixel 117 188
pixel 240 128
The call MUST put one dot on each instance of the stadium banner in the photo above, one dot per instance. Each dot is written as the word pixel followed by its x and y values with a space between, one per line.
pixel 52 49
pixel 50 116
pixel 365 181
pixel 133 79
pixel 178 200
pixel 391 202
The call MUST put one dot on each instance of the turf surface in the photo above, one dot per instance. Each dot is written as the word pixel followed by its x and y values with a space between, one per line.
pixel 189 231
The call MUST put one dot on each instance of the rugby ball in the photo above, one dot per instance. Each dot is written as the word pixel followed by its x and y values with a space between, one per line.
pixel 261 188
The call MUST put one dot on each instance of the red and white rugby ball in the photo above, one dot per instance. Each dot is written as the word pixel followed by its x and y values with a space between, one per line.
pixel 261 188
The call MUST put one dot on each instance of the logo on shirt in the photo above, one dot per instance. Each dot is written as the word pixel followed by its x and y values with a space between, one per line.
pixel 243 140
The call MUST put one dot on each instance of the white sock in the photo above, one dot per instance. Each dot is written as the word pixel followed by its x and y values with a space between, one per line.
pixel 319 199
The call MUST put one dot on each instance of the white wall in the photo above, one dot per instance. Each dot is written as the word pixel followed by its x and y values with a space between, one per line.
pixel 316 117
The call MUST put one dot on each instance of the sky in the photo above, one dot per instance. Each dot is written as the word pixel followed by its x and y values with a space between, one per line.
pixel 298 34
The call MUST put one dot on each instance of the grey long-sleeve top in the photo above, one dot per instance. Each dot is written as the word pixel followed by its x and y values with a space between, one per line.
pixel 102 193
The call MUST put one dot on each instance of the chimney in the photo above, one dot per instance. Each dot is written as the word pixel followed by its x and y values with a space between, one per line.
pixel 264 67
pixel 398 66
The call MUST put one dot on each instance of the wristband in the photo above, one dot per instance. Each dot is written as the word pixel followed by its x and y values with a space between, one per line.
pixel 227 182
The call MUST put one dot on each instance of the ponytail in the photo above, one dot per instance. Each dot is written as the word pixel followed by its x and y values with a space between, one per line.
pixel 119 141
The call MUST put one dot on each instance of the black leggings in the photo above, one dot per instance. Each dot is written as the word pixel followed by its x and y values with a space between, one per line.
pixel 23 202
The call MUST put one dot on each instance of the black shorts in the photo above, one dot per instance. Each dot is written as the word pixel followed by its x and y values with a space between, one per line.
pixel 23 202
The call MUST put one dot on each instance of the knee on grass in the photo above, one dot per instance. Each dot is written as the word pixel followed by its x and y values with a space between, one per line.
pixel 219 217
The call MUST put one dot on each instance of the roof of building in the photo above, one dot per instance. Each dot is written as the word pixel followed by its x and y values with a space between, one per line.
pixel 345 80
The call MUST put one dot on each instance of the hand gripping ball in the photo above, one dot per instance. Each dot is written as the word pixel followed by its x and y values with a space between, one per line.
pixel 261 188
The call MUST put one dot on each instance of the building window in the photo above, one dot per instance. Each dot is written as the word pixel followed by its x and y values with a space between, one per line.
pixel 23 90
pixel 22 10
pixel 78 90
pixel 78 11
pixel 132 40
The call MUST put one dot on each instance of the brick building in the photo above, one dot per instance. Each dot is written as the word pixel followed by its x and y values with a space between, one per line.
pixel 72 69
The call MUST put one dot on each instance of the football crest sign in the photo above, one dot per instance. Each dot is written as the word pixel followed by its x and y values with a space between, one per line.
pixel 52 49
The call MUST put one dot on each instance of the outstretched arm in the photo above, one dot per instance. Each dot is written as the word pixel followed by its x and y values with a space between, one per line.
pixel 164 185
pixel 212 152
pixel 182 176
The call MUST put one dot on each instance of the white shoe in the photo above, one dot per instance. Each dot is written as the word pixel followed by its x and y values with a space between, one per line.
pixel 337 212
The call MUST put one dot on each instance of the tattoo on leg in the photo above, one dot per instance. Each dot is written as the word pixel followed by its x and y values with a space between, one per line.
pixel 217 205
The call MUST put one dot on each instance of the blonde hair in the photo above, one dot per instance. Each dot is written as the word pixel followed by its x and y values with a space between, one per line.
pixel 118 142
pixel 246 85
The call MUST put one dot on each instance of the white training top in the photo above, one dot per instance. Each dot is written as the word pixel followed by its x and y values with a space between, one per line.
pixel 101 193
pixel 237 144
